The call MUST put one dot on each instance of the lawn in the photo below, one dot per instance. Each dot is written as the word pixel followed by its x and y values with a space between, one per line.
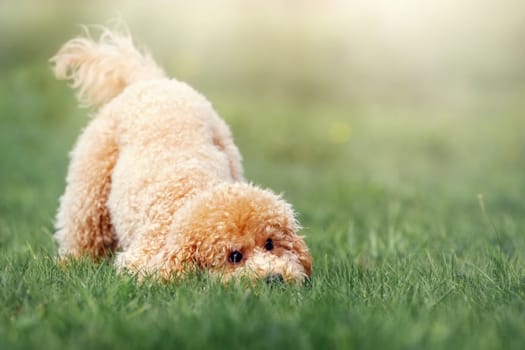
pixel 412 202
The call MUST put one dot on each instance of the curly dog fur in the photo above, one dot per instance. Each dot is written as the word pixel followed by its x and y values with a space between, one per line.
pixel 156 179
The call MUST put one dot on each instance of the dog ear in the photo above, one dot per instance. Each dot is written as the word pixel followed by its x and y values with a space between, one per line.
pixel 185 259
pixel 298 245
pixel 305 258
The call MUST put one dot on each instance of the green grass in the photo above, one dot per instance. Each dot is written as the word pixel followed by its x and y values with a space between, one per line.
pixel 414 213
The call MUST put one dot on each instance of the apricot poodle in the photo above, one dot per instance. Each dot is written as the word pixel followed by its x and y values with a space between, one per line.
pixel 156 180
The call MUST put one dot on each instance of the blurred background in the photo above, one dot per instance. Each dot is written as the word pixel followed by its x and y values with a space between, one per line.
pixel 337 104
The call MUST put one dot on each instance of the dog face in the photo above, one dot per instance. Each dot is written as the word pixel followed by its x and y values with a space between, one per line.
pixel 238 230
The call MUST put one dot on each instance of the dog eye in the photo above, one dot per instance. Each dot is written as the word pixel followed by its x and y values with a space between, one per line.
pixel 235 257
pixel 268 245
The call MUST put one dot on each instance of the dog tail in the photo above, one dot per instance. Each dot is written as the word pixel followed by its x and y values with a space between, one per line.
pixel 100 70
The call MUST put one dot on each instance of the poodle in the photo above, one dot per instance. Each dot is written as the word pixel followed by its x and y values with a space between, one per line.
pixel 156 180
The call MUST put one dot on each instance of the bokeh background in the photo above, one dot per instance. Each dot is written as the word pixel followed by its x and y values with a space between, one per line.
pixel 388 91
pixel 396 128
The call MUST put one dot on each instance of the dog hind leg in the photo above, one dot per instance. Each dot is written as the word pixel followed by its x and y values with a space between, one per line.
pixel 83 221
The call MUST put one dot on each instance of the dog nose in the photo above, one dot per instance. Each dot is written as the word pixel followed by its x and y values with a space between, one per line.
pixel 275 278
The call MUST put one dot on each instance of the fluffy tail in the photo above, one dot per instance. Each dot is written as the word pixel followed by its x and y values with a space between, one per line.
pixel 100 70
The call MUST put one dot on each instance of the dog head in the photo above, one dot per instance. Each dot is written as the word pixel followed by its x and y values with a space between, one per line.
pixel 239 230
